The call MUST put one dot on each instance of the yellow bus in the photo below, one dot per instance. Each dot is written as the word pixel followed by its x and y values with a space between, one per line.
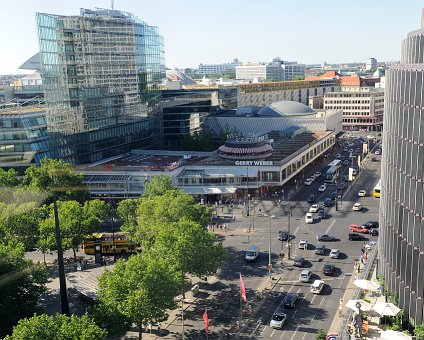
pixel 112 243
pixel 377 190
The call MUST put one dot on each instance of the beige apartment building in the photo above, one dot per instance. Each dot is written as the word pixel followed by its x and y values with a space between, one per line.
pixel 362 109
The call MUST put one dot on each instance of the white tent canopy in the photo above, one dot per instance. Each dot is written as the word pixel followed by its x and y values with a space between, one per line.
pixel 365 306
pixel 393 335
pixel 386 309
pixel 366 284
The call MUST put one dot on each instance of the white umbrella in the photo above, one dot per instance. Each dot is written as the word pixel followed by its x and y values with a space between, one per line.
pixel 393 335
pixel 365 306
pixel 366 284
pixel 386 309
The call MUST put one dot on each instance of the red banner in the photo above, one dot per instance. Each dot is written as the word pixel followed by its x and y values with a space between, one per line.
pixel 242 289
pixel 206 319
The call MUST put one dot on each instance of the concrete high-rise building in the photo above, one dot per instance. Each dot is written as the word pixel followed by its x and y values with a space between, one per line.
pixel 101 74
pixel 402 179
pixel 292 70
pixel 371 64
pixel 260 72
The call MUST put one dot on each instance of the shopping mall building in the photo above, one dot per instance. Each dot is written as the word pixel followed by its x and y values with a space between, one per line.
pixel 267 147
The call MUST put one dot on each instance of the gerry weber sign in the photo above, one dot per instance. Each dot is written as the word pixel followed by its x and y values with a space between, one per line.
pixel 254 162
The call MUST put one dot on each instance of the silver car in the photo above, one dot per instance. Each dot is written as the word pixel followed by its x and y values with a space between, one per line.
pixel 278 320
pixel 334 253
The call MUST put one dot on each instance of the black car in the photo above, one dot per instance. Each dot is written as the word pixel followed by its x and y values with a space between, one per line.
pixel 374 232
pixel 290 300
pixel 355 237
pixel 283 235
pixel 346 162
pixel 311 198
pixel 328 269
pixel 321 214
pixel 370 224
pixel 326 237
pixel 341 186
pixel 327 202
pixel 333 195
pixel 299 261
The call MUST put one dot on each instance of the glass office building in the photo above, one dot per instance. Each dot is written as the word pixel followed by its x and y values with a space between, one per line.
pixel 101 73
pixel 402 177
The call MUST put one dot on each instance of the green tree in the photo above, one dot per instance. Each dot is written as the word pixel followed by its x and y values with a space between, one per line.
pixel 108 317
pixel 299 78
pixel 21 285
pixel 96 208
pixel 156 212
pixel 198 141
pixel 53 174
pixel 189 248
pixel 321 335
pixel 127 212
pixel 158 186
pixel 42 327
pixel 9 178
pixel 142 289
pixel 75 224
pixel 47 237
pixel 419 331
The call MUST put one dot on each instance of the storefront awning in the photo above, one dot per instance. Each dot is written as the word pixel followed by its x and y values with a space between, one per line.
pixel 208 190
pixel 230 173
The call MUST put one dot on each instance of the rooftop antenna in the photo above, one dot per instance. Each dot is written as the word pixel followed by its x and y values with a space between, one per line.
pixel 111 4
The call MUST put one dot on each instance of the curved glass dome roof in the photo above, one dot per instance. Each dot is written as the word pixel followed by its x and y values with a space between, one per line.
pixel 286 108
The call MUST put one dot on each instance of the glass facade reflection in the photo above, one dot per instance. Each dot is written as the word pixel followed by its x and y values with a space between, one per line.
pixel 101 74
pixel 402 175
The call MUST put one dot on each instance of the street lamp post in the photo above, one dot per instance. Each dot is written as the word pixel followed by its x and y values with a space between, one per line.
pixel 288 228
pixel 269 246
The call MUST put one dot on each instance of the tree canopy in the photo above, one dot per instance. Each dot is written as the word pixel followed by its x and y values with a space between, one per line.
pixel 158 186
pixel 142 289
pixel 59 326
pixel 21 285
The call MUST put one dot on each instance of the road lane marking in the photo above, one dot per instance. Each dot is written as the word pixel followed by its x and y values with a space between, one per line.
pixel 331 225
pixel 297 328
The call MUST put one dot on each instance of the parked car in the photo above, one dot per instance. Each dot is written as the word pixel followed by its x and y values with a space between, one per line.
pixel 333 195
pixel 303 244
pixel 362 193
pixel 320 249
pixel 283 235
pixel 357 207
pixel 374 232
pixel 370 224
pixel 346 162
pixel 308 181
pixel 314 208
pixel 335 253
pixel 321 214
pixel 322 188
pixel 327 202
pixel 299 261
pixel 341 186
pixel 378 152
pixel 328 269
pixel 309 218
pixel 338 156
pixel 355 237
pixel 290 300
pixel 305 275
pixel 370 245
pixel 326 237
pixel 278 320
pixel 317 287
pixel 311 198
pixel 317 174
pixel 358 229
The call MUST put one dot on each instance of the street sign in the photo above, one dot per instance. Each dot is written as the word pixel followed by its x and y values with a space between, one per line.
pixel 269 267
pixel 332 336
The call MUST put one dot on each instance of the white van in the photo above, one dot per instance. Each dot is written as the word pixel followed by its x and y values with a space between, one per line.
pixel 309 218
pixel 305 275
pixel 317 287
pixel 252 253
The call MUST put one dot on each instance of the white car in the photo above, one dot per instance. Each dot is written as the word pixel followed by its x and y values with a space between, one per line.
pixel 357 207
pixel 362 193
pixel 370 245
pixel 317 287
pixel 278 320
pixel 377 152
pixel 308 181
pixel 317 174
pixel 303 244
pixel 334 253
pixel 370 137
pixel 314 208
pixel 322 188
pixel 309 218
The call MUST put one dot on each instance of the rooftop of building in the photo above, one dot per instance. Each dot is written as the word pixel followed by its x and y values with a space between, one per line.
pixel 15 109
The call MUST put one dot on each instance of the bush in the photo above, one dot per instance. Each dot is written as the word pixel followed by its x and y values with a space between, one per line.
pixel 321 335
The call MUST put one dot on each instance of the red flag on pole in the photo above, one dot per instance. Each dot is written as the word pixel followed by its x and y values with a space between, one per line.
pixel 242 289
pixel 206 319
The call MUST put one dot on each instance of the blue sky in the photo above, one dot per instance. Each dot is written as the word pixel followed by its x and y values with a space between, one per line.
pixel 204 31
